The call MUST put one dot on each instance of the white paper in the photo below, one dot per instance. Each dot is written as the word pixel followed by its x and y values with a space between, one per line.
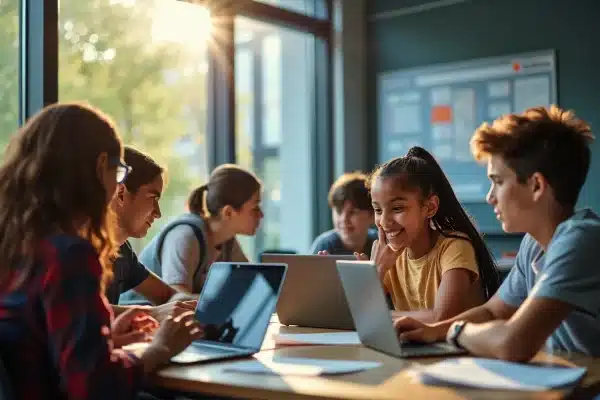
pixel 499 89
pixel 300 366
pixel 405 117
pixel 441 96
pixel 496 374
pixel 464 123
pixel 531 92
pixel 326 338
pixel 442 131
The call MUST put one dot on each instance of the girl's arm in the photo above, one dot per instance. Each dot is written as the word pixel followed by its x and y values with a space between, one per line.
pixel 451 298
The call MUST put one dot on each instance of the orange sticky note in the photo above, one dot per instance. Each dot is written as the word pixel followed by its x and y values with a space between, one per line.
pixel 441 114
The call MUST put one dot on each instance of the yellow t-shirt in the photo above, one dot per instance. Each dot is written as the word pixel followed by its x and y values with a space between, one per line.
pixel 413 283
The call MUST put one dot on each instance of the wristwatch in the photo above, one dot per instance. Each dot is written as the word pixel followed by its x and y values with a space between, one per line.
pixel 454 332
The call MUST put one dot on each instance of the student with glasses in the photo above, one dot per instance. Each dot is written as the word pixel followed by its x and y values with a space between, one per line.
pixel 123 169
pixel 57 333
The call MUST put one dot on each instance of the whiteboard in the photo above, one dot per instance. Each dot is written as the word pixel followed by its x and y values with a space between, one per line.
pixel 439 107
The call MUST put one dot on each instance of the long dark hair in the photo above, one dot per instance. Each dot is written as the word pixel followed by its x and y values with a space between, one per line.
pixel 48 180
pixel 419 170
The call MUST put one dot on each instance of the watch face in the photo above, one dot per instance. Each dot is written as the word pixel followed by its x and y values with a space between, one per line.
pixel 455 330
pixel 457 327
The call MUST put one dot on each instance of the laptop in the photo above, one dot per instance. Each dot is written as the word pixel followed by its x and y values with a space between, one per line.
pixel 235 308
pixel 372 316
pixel 312 295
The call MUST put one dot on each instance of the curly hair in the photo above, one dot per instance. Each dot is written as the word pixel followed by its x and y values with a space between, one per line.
pixel 49 183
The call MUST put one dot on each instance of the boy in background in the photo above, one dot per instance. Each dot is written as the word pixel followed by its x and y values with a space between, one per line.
pixel 352 216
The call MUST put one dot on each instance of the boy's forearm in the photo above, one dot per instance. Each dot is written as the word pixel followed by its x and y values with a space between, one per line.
pixel 476 315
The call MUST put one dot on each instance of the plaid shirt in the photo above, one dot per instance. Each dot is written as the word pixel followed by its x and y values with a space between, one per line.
pixel 54 327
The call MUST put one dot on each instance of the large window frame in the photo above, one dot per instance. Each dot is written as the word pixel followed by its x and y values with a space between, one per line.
pixel 38 79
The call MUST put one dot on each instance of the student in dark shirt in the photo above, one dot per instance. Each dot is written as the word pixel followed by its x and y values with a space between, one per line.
pixel 136 207
pixel 352 215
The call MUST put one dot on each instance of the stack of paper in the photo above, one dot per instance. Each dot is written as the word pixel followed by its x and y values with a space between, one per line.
pixel 496 374
pixel 300 366
pixel 327 338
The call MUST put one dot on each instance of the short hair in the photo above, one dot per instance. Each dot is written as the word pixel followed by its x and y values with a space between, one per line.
pixel 551 141
pixel 143 169
pixel 350 187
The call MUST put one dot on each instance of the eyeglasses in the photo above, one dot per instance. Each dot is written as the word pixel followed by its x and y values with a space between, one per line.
pixel 122 169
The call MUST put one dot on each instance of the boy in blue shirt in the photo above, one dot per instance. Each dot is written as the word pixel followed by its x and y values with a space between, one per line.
pixel 352 216
pixel 537 163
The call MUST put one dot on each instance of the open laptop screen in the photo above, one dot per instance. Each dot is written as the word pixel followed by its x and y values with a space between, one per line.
pixel 237 302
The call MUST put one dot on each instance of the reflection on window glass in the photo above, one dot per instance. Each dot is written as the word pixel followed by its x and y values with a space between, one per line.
pixel 244 82
pixel 272 201
pixel 312 8
pixel 275 70
pixel 9 69
pixel 271 77
pixel 144 63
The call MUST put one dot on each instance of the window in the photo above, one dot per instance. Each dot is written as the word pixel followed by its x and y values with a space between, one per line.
pixel 312 8
pixel 144 63
pixel 274 129
pixel 9 69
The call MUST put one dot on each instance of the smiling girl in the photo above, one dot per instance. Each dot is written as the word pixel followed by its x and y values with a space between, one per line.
pixel 430 257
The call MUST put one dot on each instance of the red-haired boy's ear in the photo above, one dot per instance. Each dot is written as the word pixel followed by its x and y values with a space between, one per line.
pixel 538 185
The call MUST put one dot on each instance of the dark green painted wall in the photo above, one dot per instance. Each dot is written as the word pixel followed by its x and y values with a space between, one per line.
pixel 485 28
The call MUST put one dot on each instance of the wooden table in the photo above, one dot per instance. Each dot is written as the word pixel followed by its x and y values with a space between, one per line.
pixel 389 381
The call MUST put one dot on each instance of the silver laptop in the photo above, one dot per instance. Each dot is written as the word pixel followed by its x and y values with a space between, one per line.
pixel 372 316
pixel 235 309
pixel 312 295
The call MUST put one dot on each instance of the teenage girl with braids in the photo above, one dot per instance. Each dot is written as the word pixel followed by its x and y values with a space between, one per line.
pixel 432 261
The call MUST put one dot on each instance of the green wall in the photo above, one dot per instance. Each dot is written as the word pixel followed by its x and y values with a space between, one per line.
pixel 485 28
